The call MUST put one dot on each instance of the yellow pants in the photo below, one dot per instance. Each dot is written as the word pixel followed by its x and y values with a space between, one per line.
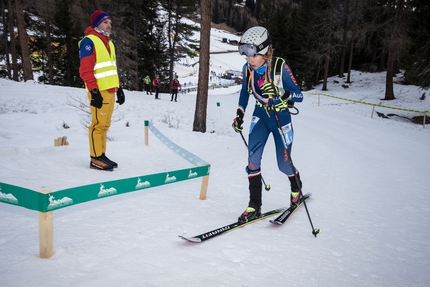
pixel 100 123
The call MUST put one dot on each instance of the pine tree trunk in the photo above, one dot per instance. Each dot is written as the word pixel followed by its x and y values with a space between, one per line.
pixel 199 124
pixel 389 92
pixel 351 51
pixel 49 52
pixel 23 40
pixel 344 40
pixel 328 50
pixel 5 37
pixel 395 46
pixel 326 66
pixel 13 43
pixel 327 63
pixel 353 36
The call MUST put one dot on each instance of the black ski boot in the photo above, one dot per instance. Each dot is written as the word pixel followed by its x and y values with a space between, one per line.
pixel 296 186
pixel 254 206
pixel 250 213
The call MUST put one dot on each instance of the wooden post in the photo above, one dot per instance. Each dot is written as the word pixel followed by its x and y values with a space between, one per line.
pixel 424 121
pixel 373 110
pixel 45 233
pixel 319 99
pixel 146 133
pixel 204 188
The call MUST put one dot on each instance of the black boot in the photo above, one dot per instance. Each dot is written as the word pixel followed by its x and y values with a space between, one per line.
pixel 254 206
pixel 111 162
pixel 296 187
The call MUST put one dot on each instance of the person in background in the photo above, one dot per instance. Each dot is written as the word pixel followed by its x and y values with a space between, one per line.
pixel 267 78
pixel 147 85
pixel 156 84
pixel 175 86
pixel 99 73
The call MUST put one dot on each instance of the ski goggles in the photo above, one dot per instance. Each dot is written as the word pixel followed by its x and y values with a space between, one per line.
pixel 249 50
pixel 252 50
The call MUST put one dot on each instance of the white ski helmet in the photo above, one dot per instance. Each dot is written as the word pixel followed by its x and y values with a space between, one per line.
pixel 255 40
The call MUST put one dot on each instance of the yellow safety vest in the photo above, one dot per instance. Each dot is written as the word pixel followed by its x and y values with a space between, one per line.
pixel 105 68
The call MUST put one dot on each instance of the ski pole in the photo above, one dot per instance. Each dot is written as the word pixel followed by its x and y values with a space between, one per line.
pixel 266 186
pixel 314 230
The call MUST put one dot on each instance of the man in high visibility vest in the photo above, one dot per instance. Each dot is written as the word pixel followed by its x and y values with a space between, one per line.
pixel 99 72
pixel 147 85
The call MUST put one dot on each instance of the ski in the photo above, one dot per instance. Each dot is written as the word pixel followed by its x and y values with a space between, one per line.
pixel 229 227
pixel 286 213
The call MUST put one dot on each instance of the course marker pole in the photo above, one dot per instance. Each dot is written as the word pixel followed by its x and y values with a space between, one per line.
pixel 46 248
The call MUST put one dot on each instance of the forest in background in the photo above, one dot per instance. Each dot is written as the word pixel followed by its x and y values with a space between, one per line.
pixel 319 38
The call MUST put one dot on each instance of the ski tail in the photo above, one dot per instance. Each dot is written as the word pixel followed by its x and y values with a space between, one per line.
pixel 287 213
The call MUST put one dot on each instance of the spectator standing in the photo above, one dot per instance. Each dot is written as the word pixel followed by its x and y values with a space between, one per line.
pixel 175 86
pixel 99 73
pixel 156 84
pixel 147 85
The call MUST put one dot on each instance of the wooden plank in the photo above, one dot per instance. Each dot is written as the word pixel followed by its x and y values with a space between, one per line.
pixel 204 188
pixel 46 248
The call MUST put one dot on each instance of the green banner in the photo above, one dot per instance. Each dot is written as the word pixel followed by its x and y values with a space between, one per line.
pixel 38 201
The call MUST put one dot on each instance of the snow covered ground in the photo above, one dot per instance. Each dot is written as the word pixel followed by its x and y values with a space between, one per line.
pixel 368 177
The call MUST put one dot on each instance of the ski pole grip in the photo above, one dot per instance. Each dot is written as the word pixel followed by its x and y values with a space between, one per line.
pixel 286 95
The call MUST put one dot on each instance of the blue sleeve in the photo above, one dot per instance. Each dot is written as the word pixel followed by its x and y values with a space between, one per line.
pixel 86 48
pixel 244 95
pixel 289 83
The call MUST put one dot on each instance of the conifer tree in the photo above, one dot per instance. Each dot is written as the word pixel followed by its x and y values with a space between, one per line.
pixel 179 32
pixel 65 54
pixel 199 124
pixel 23 41
pixel 416 59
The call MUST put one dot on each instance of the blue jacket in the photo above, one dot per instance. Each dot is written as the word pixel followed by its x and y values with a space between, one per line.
pixel 281 76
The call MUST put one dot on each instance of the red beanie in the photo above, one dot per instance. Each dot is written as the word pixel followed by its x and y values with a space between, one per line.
pixel 98 16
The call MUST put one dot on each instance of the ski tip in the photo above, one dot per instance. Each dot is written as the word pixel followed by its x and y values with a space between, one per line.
pixel 191 239
pixel 276 222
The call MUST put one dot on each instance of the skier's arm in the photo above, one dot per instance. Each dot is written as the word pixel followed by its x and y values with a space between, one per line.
pixel 290 84
pixel 87 61
pixel 244 95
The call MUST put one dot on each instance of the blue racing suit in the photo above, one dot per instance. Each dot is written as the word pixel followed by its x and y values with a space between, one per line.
pixel 263 118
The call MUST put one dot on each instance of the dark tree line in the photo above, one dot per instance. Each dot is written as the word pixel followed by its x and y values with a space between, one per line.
pixel 319 38
pixel 41 37
pixel 323 38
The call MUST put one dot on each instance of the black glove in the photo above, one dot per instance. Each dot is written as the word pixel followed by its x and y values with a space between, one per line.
pixel 120 96
pixel 269 88
pixel 96 98
pixel 238 121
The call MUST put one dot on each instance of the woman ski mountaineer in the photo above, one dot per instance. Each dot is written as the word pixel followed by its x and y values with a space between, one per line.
pixel 270 80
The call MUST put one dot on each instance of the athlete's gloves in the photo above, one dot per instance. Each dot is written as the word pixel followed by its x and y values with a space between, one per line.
pixel 238 121
pixel 96 98
pixel 286 102
pixel 269 88
pixel 286 97
pixel 120 96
